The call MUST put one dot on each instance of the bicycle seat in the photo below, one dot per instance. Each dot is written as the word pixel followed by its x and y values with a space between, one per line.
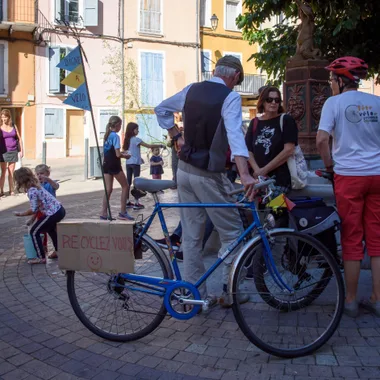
pixel 153 185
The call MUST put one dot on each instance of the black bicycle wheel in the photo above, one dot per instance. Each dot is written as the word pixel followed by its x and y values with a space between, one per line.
pixel 113 312
pixel 279 321
pixel 292 262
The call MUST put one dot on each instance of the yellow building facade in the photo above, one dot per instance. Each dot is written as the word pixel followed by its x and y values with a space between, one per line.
pixel 220 36
pixel 18 23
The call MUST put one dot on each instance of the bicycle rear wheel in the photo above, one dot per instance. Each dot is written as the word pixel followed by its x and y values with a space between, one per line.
pixel 113 312
pixel 280 322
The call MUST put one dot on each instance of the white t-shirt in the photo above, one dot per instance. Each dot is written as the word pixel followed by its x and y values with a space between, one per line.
pixel 353 119
pixel 134 150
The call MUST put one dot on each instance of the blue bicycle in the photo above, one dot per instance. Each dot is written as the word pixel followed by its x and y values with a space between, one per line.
pixel 278 318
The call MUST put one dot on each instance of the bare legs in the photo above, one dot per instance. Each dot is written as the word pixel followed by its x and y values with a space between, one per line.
pixel 120 177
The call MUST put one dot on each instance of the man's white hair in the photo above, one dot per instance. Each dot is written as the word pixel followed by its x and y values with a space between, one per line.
pixel 224 71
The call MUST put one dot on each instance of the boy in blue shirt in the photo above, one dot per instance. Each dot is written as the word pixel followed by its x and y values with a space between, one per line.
pixel 43 175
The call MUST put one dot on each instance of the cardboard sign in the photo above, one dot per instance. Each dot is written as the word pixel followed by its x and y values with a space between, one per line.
pixel 96 246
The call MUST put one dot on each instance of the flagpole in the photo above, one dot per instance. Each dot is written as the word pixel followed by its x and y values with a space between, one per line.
pixel 82 55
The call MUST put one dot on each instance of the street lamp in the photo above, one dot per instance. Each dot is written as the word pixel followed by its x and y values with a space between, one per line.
pixel 214 22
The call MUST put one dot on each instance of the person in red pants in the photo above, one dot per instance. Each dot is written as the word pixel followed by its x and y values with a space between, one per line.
pixel 352 119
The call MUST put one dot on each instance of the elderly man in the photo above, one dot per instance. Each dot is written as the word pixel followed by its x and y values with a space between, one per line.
pixel 212 118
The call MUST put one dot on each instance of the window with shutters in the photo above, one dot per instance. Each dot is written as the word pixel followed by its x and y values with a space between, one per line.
pixel 56 75
pixel 205 13
pixel 151 16
pixel 206 61
pixel 104 116
pixel 152 78
pixel 149 130
pixel 76 12
pixel 3 68
pixel 232 11
pixel 54 122
pixel 237 55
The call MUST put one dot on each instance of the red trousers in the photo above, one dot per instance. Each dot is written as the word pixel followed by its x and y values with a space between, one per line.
pixel 358 202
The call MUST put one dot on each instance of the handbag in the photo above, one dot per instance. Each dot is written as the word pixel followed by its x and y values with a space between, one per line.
pixel 17 139
pixel 296 164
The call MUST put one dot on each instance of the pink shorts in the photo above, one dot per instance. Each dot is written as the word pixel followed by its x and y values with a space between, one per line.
pixel 358 202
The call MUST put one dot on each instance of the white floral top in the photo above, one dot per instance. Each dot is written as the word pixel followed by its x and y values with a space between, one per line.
pixel 42 201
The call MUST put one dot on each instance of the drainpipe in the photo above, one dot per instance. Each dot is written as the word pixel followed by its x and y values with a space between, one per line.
pixel 122 66
pixel 197 56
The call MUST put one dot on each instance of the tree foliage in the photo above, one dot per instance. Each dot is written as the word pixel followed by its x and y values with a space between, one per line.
pixel 343 27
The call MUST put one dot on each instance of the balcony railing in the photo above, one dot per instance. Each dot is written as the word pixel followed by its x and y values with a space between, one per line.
pixel 250 85
pixel 18 11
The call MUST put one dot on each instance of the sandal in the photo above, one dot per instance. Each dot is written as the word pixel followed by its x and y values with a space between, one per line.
pixel 53 255
pixel 36 261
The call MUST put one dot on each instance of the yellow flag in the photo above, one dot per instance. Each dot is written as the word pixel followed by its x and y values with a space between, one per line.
pixel 73 80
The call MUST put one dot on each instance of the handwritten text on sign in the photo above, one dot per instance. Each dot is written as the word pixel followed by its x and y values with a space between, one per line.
pixel 100 243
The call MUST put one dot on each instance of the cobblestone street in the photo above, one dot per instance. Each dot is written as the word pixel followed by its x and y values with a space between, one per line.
pixel 41 338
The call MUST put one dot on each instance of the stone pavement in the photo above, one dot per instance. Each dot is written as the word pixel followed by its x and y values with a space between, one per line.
pixel 41 338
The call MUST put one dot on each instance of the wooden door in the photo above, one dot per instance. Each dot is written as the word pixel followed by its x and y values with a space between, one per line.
pixel 74 133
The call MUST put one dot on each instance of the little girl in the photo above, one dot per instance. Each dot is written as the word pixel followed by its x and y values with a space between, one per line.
pixel 156 164
pixel 43 174
pixel 52 212
pixel 132 144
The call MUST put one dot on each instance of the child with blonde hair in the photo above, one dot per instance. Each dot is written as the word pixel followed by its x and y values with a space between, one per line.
pixel 41 201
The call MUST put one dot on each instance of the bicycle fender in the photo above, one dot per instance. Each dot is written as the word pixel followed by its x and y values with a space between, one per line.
pixel 246 247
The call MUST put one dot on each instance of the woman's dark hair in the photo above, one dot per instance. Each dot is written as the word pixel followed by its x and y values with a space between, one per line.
pixel 264 95
pixel 112 122
pixel 131 127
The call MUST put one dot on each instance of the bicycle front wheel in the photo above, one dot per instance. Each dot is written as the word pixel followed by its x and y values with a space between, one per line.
pixel 278 317
pixel 114 312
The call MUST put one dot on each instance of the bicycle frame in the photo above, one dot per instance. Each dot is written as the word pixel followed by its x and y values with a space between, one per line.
pixel 153 285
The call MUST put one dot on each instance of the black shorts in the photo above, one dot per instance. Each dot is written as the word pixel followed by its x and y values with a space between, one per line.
pixel 112 169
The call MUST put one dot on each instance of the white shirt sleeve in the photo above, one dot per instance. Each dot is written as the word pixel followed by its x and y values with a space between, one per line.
pixel 231 113
pixel 327 121
pixel 165 110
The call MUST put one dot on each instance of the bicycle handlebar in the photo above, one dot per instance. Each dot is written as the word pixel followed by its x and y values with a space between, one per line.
pixel 256 187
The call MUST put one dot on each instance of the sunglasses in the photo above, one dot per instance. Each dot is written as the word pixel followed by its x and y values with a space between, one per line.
pixel 270 100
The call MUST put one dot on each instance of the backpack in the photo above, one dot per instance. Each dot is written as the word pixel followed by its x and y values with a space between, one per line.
pixel 296 164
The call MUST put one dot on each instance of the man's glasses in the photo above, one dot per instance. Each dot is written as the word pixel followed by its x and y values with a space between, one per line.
pixel 270 100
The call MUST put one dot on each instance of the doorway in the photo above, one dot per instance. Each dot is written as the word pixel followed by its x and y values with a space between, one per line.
pixel 74 133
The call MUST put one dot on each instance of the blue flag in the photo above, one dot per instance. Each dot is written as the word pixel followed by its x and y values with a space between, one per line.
pixel 79 98
pixel 71 61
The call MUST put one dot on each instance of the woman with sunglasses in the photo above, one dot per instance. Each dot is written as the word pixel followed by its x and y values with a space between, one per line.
pixel 268 144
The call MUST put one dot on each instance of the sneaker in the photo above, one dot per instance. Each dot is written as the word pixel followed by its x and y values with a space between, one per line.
pixel 130 204
pixel 125 216
pixel 174 239
pixel 138 206
pixel 226 300
pixel 373 307
pixel 351 309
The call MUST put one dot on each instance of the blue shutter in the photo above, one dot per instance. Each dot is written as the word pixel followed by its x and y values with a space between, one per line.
pixel 144 79
pixel 54 78
pixel 104 116
pixel 68 88
pixel 152 79
pixel 158 78
pixel 91 12
pixel 1 11
pixel 149 130
pixel 53 123
pixel 2 69
pixel 205 61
